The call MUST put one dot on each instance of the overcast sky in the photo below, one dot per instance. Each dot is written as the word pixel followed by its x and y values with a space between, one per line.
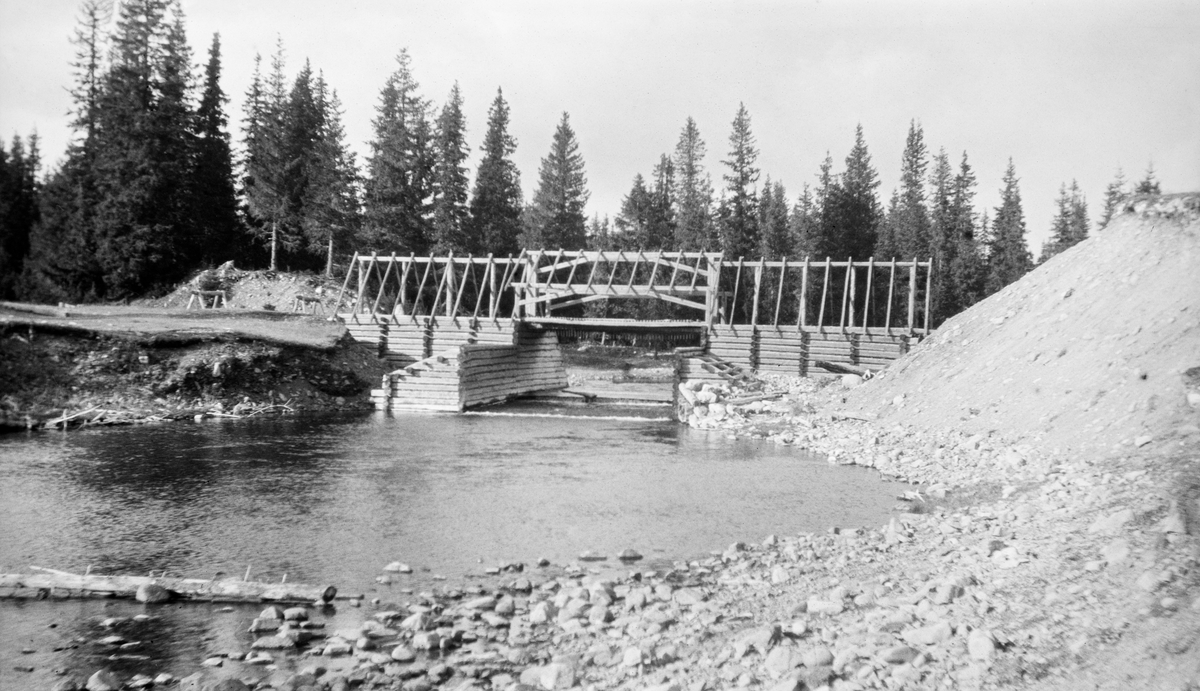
pixel 1067 89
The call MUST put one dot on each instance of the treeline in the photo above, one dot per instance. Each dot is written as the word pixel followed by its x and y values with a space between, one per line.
pixel 151 190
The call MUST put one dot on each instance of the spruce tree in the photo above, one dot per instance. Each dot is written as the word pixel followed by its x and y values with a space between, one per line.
pixel 214 199
pixel 802 224
pixel 399 186
pixel 145 235
pixel 775 238
pixel 855 210
pixel 556 217
pixel 264 162
pixel 693 193
pixel 633 222
pixel 1148 184
pixel 63 263
pixel 19 212
pixel 661 227
pixel 450 183
pixel 1114 195
pixel 943 240
pixel 331 204
pixel 738 211
pixel 1008 253
pixel 967 271
pixel 912 223
pixel 1070 224
pixel 825 243
pixel 494 223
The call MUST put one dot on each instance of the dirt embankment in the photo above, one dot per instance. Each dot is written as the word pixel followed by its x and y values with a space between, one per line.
pixel 119 364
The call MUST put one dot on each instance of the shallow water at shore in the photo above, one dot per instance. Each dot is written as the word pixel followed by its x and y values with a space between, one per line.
pixel 334 499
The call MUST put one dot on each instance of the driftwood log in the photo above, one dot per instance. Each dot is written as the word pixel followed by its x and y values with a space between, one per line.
pixel 838 368
pixel 54 583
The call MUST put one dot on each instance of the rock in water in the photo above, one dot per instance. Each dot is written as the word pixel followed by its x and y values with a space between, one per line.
pixel 152 593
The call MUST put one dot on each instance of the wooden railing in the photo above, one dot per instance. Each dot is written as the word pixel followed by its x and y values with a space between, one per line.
pixel 848 296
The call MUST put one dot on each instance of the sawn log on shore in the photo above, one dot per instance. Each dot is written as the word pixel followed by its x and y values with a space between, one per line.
pixel 54 583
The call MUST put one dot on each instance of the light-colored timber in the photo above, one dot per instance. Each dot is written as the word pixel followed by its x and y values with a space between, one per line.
pixel 52 583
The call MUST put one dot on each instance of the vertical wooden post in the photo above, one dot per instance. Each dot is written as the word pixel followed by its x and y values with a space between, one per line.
pixel 758 271
pixel 891 288
pixel 846 293
pixel 853 292
pixel 451 283
pixel 493 299
pixel 867 300
pixel 824 292
pixel 779 295
pixel 912 294
pixel 928 292
pixel 802 312
pixel 737 283
pixel 712 290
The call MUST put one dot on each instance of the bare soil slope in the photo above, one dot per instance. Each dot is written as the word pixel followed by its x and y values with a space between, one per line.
pixel 1088 352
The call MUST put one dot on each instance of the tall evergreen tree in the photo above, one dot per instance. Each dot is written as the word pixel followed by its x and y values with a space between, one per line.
pixel 19 213
pixel 802 224
pixel 495 213
pixel 450 181
pixel 693 193
pixel 912 223
pixel 331 203
pixel 1114 195
pixel 775 238
pixel 144 231
pixel 633 222
pixel 214 199
pixel 738 210
pixel 400 170
pixel 967 271
pixel 855 211
pixel 556 217
pixel 63 263
pixel 1008 253
pixel 825 242
pixel 1070 224
pixel 943 238
pixel 264 162
pixel 661 229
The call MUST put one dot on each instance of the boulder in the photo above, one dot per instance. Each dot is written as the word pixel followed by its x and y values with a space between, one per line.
pixel 980 645
pixel 152 594
pixel 103 680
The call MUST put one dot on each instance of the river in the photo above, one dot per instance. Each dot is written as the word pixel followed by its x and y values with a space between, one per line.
pixel 332 499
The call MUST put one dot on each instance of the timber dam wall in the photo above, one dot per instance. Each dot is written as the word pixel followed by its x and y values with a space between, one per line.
pixel 451 364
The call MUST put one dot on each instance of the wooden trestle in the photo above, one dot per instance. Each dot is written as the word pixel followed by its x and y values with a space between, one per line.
pixel 440 318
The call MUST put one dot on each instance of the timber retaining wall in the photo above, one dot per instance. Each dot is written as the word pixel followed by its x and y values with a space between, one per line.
pixel 472 374
pixel 787 351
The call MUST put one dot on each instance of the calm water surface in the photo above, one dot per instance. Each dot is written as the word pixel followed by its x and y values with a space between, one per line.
pixel 334 499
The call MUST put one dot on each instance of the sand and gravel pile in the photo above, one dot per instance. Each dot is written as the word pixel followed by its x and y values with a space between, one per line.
pixel 1092 350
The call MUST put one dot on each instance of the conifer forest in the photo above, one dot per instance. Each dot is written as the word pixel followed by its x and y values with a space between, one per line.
pixel 160 181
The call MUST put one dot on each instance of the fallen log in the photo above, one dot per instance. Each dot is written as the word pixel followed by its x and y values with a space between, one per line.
pixel 837 368
pixel 54 583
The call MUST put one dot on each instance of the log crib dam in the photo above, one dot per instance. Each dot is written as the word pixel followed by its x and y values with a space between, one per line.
pixel 469 331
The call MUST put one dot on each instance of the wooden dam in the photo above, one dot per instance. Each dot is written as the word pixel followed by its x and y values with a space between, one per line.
pixel 468 331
